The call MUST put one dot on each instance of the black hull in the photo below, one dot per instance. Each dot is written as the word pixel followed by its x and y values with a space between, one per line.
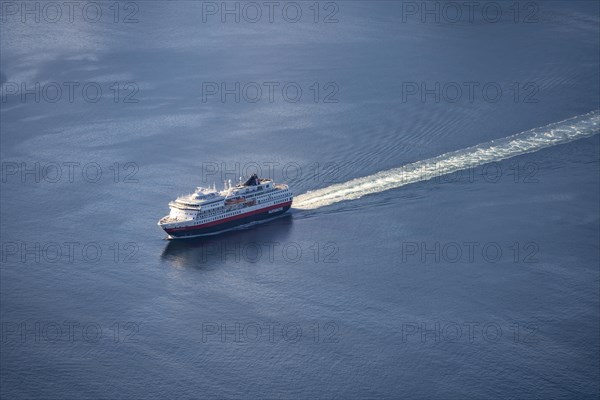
pixel 225 226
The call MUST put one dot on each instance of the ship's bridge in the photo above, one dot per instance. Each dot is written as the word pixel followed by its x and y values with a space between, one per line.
pixel 202 196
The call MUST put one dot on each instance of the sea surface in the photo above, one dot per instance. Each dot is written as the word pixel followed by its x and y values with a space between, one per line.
pixel 472 272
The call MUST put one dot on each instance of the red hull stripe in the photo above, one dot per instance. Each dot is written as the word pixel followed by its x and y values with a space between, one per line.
pixel 221 221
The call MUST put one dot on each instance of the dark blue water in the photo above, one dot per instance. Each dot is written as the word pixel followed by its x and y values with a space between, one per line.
pixel 483 284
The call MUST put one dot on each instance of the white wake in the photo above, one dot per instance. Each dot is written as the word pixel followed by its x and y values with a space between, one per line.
pixel 525 142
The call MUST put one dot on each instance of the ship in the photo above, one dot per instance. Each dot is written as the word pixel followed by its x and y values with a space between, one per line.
pixel 209 211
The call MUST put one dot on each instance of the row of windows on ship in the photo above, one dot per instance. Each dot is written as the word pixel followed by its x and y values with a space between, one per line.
pixel 268 197
pixel 207 216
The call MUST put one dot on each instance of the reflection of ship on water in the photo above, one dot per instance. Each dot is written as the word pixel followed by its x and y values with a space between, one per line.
pixel 208 211
pixel 232 246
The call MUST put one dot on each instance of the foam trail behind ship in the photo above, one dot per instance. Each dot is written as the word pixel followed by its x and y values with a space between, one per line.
pixel 500 149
